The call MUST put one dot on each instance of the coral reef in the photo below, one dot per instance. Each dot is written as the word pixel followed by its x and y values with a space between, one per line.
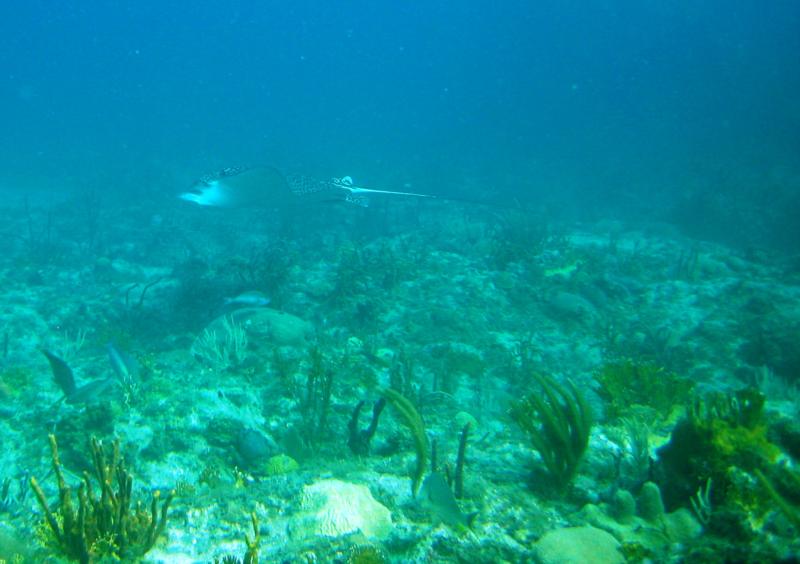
pixel 358 439
pixel 332 508
pixel 253 544
pixel 319 387
pixel 791 512
pixel 626 384
pixel 578 544
pixel 558 422
pixel 649 530
pixel 222 345
pixel 105 526
pixel 447 318
pixel 720 435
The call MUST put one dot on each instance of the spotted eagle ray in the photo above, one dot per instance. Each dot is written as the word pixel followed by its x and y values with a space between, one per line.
pixel 268 187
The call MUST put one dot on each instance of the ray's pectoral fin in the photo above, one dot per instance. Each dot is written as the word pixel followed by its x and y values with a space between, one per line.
pixel 237 187
pixel 207 193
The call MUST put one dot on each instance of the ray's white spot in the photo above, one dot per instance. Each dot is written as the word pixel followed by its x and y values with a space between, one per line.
pixel 208 194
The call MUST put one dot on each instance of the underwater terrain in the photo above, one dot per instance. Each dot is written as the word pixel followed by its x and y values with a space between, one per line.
pixel 564 330
pixel 417 381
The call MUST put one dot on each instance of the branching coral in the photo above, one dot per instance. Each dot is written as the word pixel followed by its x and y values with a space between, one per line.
pixel 107 525
pixel 319 387
pixel 251 554
pixel 359 439
pixel 558 422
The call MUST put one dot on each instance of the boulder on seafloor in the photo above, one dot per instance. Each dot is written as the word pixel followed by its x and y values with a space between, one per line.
pixel 578 545
pixel 332 508
pixel 262 326
pixel 651 529
pixel 271 326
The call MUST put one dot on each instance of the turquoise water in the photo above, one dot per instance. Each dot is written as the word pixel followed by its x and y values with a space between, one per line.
pixel 572 338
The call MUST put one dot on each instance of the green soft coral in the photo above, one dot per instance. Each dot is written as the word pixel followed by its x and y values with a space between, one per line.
pixel 558 423
pixel 721 438
pixel 743 446
pixel 628 383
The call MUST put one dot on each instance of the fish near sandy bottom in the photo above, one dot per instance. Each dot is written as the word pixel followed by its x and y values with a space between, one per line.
pixel 437 497
pixel 125 367
pixel 64 378
pixel 62 373
pixel 252 298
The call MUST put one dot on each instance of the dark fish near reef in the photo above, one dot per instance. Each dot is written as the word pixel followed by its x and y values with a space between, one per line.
pixel 438 498
pixel 254 447
pixel 248 299
pixel 73 394
pixel 62 373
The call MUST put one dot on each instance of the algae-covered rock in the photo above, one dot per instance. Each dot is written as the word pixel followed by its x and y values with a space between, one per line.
pixel 385 356
pixel 571 305
pixel 269 326
pixel 651 507
pixel 225 343
pixel 681 526
pixel 462 418
pixel 578 545
pixel 652 530
pixel 222 431
pixel 460 358
pixel 332 508
pixel 623 508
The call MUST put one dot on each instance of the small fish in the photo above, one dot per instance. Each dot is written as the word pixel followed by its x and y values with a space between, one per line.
pixel 62 373
pixel 252 298
pixel 437 496
pixel 73 394
pixel 124 366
